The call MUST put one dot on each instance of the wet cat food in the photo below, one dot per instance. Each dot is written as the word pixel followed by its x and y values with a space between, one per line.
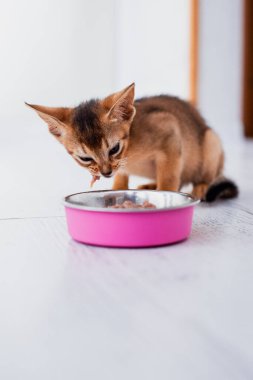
pixel 94 179
pixel 131 204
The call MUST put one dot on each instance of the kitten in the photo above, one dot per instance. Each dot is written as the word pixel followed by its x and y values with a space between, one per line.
pixel 160 137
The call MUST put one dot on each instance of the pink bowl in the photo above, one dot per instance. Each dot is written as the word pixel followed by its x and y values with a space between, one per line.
pixel 91 220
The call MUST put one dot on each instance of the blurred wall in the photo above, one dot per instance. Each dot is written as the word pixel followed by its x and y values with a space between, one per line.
pixel 220 66
pixel 153 46
pixel 54 52
pixel 62 52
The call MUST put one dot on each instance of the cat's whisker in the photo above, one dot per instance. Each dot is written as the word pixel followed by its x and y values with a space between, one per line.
pixel 121 166
pixel 123 161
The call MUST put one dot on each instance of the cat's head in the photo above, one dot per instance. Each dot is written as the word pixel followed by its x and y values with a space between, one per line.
pixel 95 133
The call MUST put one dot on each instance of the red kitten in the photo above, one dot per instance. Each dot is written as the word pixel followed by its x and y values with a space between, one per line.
pixel 160 137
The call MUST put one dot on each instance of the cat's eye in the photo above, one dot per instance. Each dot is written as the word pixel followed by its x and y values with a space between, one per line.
pixel 115 149
pixel 86 159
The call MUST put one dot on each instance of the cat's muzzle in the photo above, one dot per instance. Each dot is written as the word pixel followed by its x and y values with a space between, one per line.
pixel 107 174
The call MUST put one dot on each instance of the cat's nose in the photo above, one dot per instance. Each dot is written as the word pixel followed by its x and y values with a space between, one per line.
pixel 108 173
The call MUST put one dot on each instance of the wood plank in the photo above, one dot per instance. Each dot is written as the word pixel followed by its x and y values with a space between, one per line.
pixel 247 108
pixel 194 51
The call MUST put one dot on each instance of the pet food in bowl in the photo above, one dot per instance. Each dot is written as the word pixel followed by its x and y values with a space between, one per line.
pixel 129 218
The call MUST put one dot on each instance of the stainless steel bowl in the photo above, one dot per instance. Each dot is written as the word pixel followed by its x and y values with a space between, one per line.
pixel 91 218
pixel 104 200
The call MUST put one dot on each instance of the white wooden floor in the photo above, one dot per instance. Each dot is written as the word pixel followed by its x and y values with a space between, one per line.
pixel 70 311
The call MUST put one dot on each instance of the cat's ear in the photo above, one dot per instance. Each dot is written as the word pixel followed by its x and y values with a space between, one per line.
pixel 56 118
pixel 120 105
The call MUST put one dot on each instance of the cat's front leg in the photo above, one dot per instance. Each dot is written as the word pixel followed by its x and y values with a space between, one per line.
pixel 168 172
pixel 120 181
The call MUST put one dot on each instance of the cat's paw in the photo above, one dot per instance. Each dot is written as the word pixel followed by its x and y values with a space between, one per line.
pixel 199 191
pixel 148 186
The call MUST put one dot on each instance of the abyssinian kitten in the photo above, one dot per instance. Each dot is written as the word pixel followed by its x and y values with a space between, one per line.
pixel 161 137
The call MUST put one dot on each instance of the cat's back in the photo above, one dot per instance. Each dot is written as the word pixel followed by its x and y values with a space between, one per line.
pixel 187 116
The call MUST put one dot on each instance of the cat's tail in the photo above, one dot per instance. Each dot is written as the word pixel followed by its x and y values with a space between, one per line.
pixel 221 188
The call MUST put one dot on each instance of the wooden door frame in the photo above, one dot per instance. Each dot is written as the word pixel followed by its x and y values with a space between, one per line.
pixel 194 51
pixel 247 92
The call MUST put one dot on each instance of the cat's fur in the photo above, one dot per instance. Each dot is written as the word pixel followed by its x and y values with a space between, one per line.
pixel 160 137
